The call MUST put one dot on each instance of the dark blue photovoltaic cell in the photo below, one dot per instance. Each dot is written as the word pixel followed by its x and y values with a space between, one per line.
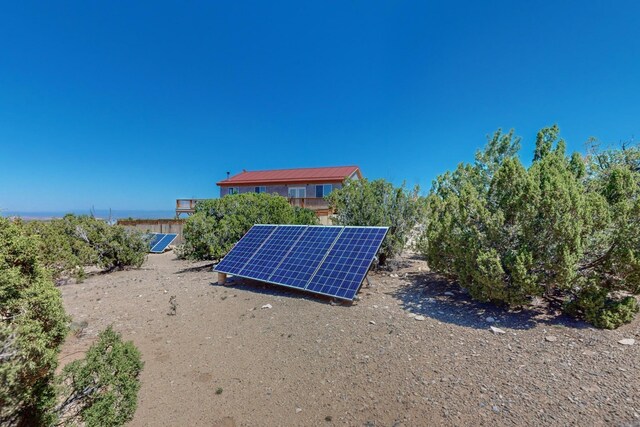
pixel 299 265
pixel 265 261
pixel 347 263
pixel 154 238
pixel 246 247
pixel 164 241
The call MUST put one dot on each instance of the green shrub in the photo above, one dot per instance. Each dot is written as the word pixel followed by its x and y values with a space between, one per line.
pixel 565 226
pixel 597 308
pixel 101 389
pixel 113 246
pixel 218 224
pixel 60 250
pixel 378 203
pixel 33 325
pixel 70 243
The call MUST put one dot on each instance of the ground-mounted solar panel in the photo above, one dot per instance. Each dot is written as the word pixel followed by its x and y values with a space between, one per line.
pixel 328 260
pixel 154 238
pixel 244 250
pixel 298 266
pixel 160 241
pixel 266 260
pixel 348 261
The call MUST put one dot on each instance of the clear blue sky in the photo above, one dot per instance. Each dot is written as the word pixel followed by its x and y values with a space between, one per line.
pixel 130 106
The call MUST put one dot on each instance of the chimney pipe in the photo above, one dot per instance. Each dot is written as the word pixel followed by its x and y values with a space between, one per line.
pixel 228 173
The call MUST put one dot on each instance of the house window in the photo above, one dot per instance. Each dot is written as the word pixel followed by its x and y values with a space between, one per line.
pixel 323 190
pixel 233 190
pixel 297 192
pixel 261 189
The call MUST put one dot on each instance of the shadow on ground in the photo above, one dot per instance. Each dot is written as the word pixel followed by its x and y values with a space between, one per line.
pixel 197 268
pixel 429 295
pixel 257 287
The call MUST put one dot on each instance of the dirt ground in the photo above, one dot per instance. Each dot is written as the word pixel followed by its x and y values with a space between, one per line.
pixel 413 351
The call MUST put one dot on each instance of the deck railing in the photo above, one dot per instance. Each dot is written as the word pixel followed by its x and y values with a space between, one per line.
pixel 187 206
pixel 313 203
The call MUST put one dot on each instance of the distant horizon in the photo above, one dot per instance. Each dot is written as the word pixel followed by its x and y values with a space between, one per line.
pixel 98 213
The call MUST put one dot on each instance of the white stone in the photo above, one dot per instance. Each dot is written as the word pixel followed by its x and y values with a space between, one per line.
pixel 267 306
pixel 497 330
pixel 627 341
pixel 298 410
pixel 372 322
pixel 490 319
pixel 449 294
pixel 419 318
pixel 551 338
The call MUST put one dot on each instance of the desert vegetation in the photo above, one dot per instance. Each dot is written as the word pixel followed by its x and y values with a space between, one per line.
pixel 69 244
pixel 564 228
pixel 218 224
pixel 33 326
pixel 378 203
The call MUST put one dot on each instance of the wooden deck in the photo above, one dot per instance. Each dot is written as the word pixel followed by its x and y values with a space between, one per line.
pixel 317 204
pixel 185 206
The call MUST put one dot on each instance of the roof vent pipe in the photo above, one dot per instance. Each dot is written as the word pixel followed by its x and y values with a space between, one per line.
pixel 228 173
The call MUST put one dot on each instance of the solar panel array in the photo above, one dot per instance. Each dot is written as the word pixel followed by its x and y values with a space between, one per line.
pixel 327 260
pixel 159 241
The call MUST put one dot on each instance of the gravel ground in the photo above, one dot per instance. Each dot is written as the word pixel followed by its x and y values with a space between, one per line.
pixel 412 351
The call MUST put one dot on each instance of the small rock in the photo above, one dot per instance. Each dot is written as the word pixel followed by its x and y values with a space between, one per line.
pixel 497 330
pixel 267 306
pixel 372 322
pixel 419 317
pixel 627 341
pixel 490 319
pixel 449 294
pixel 551 338
pixel 298 410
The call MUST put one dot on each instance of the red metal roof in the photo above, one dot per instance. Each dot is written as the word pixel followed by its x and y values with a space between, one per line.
pixel 284 176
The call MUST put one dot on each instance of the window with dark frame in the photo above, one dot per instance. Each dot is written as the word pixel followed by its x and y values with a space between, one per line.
pixel 233 190
pixel 260 189
pixel 323 190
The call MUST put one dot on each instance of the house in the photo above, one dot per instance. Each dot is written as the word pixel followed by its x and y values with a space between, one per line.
pixel 304 187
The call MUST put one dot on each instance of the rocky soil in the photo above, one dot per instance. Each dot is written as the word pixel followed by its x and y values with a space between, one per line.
pixel 412 351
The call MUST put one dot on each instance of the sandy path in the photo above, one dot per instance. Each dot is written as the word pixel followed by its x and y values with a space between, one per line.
pixel 307 362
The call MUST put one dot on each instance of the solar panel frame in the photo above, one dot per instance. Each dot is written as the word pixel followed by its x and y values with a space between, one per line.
pixel 303 280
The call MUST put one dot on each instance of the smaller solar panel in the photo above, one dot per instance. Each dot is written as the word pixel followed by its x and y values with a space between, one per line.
pixel 244 250
pixel 160 241
pixel 154 238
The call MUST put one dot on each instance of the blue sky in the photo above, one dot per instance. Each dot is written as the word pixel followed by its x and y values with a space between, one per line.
pixel 127 105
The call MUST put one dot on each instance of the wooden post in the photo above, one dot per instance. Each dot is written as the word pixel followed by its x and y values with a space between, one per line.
pixel 222 278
